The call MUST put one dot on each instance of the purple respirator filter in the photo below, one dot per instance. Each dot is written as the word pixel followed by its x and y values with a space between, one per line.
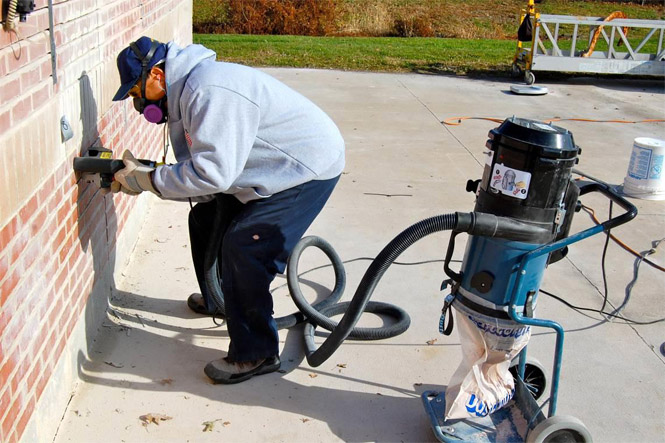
pixel 153 114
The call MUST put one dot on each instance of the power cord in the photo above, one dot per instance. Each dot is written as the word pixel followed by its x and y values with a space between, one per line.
pixel 416 263
pixel 592 213
pixel 602 261
pixel 641 257
pixel 614 314
pixel 629 288
pixel 609 314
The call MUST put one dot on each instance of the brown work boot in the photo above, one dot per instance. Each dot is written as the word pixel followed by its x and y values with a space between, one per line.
pixel 226 372
pixel 196 303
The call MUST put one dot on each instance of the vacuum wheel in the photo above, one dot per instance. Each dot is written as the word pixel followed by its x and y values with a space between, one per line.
pixel 559 429
pixel 534 376
pixel 529 77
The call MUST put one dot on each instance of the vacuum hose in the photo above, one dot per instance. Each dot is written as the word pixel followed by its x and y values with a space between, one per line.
pixel 213 279
pixel 317 314
pixel 367 285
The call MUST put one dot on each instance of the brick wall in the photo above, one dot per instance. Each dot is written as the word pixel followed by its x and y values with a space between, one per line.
pixel 62 241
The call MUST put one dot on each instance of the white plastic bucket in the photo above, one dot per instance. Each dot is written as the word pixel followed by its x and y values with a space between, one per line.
pixel 645 178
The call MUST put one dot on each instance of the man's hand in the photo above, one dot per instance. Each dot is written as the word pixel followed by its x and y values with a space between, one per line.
pixel 134 178
pixel 114 188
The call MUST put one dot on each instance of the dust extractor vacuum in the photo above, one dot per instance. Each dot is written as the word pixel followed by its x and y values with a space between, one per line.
pixel 525 204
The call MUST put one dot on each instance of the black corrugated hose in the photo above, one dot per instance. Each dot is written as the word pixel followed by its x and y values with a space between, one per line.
pixel 213 279
pixel 317 315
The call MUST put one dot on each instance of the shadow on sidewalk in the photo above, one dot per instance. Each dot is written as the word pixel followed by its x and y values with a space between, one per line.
pixel 143 350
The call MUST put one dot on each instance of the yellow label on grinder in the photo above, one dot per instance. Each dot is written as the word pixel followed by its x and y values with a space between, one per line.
pixel 106 155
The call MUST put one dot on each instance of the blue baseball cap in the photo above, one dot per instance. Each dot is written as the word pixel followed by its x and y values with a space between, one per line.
pixel 129 63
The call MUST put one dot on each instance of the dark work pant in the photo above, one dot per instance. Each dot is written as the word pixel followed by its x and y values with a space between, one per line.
pixel 258 238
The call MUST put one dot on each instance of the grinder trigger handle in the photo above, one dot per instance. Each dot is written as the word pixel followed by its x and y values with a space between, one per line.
pixel 101 170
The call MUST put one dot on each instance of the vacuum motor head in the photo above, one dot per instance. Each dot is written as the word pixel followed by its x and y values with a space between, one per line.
pixel 527 171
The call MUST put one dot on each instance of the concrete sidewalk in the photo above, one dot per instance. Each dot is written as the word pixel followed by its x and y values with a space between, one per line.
pixel 403 165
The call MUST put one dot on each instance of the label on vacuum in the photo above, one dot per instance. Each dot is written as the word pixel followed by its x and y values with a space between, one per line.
pixel 512 182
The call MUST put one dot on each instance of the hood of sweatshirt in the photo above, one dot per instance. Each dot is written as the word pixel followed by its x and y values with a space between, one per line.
pixel 180 62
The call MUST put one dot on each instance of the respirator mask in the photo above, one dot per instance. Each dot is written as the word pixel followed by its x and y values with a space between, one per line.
pixel 155 111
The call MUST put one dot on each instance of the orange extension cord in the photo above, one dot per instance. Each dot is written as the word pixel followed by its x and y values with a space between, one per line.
pixel 456 121
pixel 592 213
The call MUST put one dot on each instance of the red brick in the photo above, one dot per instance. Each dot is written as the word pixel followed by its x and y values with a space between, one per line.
pixel 38 222
pixel 46 191
pixel 10 90
pixel 21 110
pixel 47 234
pixel 8 286
pixel 43 381
pixel 25 417
pixel 29 78
pixel 61 174
pixel 61 279
pixel 67 250
pixel 5 371
pixel 19 376
pixel 4 266
pixel 60 347
pixel 58 240
pixel 33 376
pixel 18 245
pixel 12 327
pixel 39 47
pixel 5 318
pixel 53 318
pixel 28 209
pixel 37 346
pixel 10 419
pixel 8 233
pixel 41 96
pixel 62 214
pixel 5 120
pixel 54 198
pixel 29 329
pixel 46 70
pixel 73 319
pixel 28 258
pixel 49 359
pixel 5 400
pixel 13 438
pixel 14 63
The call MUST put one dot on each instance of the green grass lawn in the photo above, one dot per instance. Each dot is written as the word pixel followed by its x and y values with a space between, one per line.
pixel 460 56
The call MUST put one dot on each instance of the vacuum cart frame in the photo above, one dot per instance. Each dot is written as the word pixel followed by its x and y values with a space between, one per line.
pixel 522 418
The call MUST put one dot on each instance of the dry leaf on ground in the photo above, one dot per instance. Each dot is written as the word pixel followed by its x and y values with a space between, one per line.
pixel 153 418
pixel 110 363
pixel 208 426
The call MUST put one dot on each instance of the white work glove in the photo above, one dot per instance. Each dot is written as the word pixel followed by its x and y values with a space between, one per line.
pixel 134 178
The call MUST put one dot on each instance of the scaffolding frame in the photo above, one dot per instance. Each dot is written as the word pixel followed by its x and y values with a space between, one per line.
pixel 546 53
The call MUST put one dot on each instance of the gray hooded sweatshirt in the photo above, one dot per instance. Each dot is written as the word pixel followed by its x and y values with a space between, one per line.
pixel 239 131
